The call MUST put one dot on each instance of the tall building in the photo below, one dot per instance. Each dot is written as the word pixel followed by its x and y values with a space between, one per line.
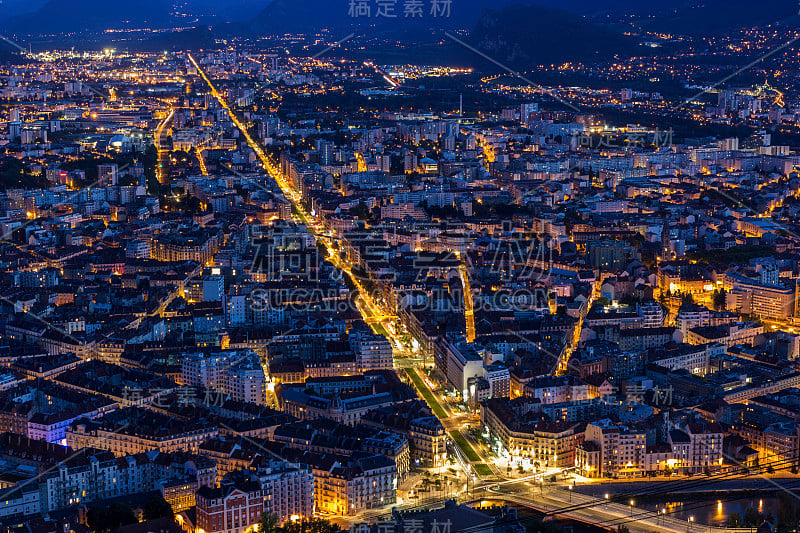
pixel 107 174
pixel 622 451
pixel 526 110
pixel 748 296
pixel 610 255
pixel 14 130
pixel 246 381
pixel 706 446
pixel 652 314
pixel 237 373
pixel 373 352
pixel 691 315
pixel 213 288
pixel 288 489
pixel 462 362
pixel 326 153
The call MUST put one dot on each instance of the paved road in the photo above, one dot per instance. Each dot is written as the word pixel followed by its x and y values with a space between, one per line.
pixel 553 498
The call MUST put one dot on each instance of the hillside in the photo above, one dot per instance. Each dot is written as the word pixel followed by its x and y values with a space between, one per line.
pixel 264 17
pixel 14 8
pixel 311 15
pixel 10 55
pixel 65 16
pixel 720 16
pixel 522 36
pixel 69 16
pixel 190 39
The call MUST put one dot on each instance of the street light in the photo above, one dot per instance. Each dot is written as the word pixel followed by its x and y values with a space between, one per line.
pixel 630 506
pixel 606 496
pixel 689 521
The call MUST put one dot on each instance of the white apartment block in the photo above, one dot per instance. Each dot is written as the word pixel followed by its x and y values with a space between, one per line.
pixel 288 489
pixel 246 381
pixel 237 373
pixel 373 352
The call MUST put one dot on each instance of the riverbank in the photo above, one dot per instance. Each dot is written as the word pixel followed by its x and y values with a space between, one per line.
pixel 698 486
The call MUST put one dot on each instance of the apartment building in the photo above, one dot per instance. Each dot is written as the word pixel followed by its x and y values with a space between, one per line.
pixel 693 359
pixel 621 450
pixel 373 352
pixel 727 334
pixel 413 420
pixel 559 389
pixel 615 450
pixel 197 246
pixel 98 475
pixel 548 444
pixel 136 430
pixel 234 507
pixel 348 485
pixel 752 297
pixel 705 439
pixel 237 373
pixel 245 381
pixel 288 489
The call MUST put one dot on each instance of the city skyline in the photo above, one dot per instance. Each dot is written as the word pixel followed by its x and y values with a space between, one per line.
pixel 398 266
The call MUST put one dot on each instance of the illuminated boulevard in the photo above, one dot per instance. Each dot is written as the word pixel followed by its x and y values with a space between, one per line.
pixel 163 152
pixel 483 479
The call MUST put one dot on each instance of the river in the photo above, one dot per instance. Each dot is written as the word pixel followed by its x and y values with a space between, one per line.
pixel 712 511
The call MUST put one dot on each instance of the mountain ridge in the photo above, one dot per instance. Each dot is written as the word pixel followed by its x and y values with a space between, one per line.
pixel 281 16
pixel 70 16
pixel 521 36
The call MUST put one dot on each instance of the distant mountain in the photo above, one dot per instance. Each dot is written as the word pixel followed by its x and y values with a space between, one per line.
pixel 192 39
pixel 14 8
pixel 692 17
pixel 264 17
pixel 701 17
pixel 282 16
pixel 599 7
pixel 65 16
pixel 68 16
pixel 514 32
pixel 10 55
pixel 522 36
pixel 233 10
